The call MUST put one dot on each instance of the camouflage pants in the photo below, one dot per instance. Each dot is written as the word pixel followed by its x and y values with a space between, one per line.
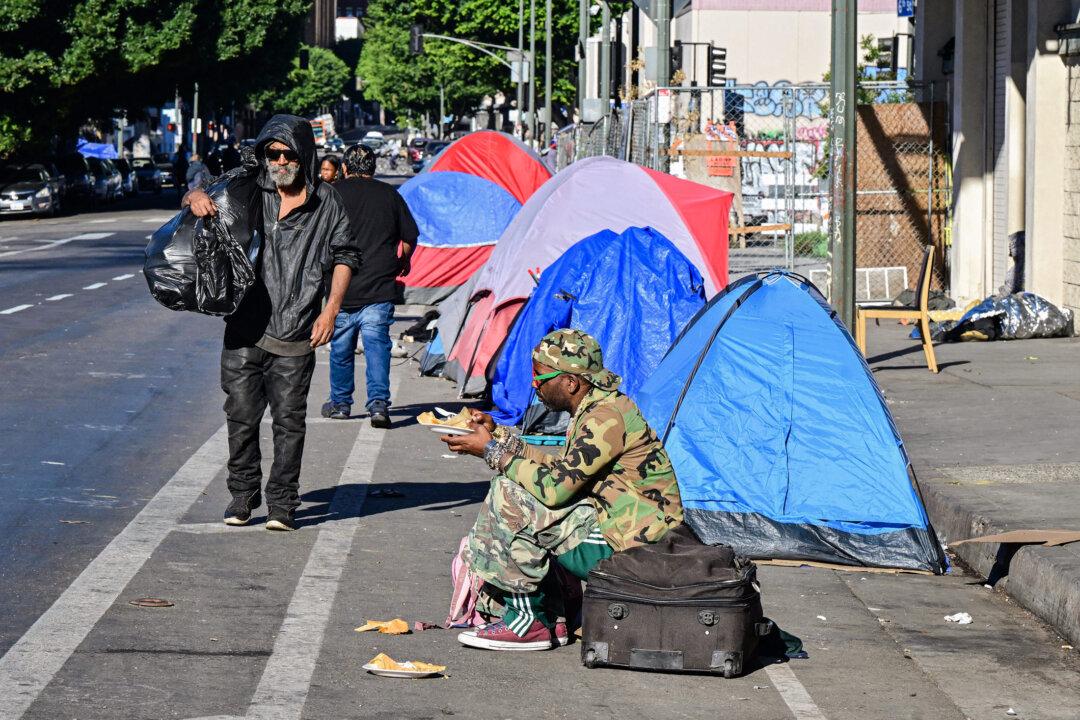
pixel 514 539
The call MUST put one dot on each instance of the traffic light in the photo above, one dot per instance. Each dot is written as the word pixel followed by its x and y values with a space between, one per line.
pixel 717 66
pixel 676 55
pixel 416 39
pixel 171 127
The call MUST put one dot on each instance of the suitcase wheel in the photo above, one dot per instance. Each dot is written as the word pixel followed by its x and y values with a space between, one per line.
pixel 589 658
pixel 728 664
pixel 729 668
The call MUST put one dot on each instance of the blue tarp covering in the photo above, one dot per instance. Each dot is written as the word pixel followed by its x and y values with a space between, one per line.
pixel 453 209
pixel 782 443
pixel 634 292
pixel 104 151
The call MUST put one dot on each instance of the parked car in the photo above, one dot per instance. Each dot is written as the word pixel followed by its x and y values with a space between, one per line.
pixel 148 176
pixel 164 163
pixel 27 189
pixel 334 145
pixel 80 179
pixel 374 140
pixel 127 177
pixel 57 182
pixel 104 185
pixel 116 180
pixel 432 150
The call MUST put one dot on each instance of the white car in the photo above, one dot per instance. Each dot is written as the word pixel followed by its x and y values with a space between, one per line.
pixel 375 135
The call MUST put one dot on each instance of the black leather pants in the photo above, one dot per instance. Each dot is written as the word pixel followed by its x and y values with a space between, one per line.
pixel 253 378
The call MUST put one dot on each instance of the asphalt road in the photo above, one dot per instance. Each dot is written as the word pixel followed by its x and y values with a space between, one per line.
pixel 111 465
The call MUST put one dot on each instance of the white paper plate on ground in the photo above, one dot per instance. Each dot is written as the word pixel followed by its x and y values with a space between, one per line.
pixel 400 673
pixel 447 429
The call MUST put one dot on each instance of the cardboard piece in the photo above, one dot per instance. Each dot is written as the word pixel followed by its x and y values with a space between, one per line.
pixel 836 566
pixel 1048 538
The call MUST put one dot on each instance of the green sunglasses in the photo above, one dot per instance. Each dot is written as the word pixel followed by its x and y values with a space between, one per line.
pixel 539 380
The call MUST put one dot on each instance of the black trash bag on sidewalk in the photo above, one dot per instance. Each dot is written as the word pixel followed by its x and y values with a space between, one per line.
pixel 207 264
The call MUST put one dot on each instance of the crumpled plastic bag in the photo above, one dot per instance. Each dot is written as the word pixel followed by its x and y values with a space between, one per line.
pixel 207 265
pixel 1019 316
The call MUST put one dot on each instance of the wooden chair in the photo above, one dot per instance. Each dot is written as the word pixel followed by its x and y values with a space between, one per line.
pixel 915 312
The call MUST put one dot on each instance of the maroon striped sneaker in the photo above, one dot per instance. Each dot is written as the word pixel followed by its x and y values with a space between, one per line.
pixel 497 636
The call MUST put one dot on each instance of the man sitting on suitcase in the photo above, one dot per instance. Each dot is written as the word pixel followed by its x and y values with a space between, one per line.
pixel 612 488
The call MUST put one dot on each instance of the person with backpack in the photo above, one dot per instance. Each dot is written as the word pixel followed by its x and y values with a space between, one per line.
pixel 611 489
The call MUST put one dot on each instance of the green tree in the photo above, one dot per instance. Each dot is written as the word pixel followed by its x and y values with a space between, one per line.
pixel 410 84
pixel 305 91
pixel 66 62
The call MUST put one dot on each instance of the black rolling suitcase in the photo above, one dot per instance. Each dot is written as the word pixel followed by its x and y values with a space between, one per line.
pixel 675 605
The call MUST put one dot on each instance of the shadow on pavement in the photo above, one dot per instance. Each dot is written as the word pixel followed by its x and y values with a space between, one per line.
pixel 390 497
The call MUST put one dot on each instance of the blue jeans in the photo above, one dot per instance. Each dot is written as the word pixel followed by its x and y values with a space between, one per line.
pixel 372 324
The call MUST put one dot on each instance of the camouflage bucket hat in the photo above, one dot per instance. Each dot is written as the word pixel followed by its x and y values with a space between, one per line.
pixel 577 353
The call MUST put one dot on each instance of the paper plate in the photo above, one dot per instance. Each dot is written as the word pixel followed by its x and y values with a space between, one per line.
pixel 447 430
pixel 400 673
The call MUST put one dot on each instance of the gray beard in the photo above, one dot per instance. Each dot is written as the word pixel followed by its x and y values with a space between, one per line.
pixel 283 177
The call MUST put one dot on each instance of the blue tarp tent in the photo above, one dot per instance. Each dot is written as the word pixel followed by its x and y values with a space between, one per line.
pixel 782 443
pixel 633 292
pixel 453 209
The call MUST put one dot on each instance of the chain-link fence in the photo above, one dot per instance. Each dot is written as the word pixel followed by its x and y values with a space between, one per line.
pixel 768 145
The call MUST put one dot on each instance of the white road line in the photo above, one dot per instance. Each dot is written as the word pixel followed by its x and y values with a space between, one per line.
pixel 13 310
pixel 100 221
pixel 55 243
pixel 61 296
pixel 793 693
pixel 95 286
pixel 158 219
pixel 124 277
pixel 32 662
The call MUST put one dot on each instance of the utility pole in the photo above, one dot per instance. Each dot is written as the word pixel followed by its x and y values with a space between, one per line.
pixel 663 43
pixel 842 104
pixel 583 41
pixel 195 122
pixel 547 74
pixel 605 57
pixel 532 68
pixel 442 109
pixel 521 66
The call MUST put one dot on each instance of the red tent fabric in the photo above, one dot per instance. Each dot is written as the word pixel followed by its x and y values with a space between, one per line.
pixel 498 157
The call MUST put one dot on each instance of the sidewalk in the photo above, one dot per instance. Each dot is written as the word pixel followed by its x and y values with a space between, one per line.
pixel 995 441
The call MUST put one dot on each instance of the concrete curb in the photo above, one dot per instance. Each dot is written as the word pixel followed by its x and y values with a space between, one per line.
pixel 1045 580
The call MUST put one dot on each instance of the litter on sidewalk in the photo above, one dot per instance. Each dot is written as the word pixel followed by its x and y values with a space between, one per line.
pixel 386 666
pixel 396 626
pixel 960 618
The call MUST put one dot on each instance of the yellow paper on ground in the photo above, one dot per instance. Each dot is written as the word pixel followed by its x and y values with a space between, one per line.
pixel 385 662
pixel 396 626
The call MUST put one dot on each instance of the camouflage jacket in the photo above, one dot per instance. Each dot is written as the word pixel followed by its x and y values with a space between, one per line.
pixel 614 458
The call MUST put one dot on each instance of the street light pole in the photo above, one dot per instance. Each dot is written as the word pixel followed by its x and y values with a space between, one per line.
pixel 195 122
pixel 583 40
pixel 532 68
pixel 605 58
pixel 548 32
pixel 842 104
pixel 663 44
pixel 521 65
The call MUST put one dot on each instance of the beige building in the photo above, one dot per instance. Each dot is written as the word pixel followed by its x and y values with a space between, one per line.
pixel 1015 79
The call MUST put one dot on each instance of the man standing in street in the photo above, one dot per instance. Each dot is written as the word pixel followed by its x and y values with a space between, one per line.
pixel 268 355
pixel 381 222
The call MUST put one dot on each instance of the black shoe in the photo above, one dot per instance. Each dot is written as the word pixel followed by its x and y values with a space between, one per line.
pixel 380 418
pixel 239 510
pixel 280 520
pixel 336 411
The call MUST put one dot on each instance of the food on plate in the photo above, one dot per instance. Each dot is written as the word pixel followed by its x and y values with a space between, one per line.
pixel 461 420
pixel 385 662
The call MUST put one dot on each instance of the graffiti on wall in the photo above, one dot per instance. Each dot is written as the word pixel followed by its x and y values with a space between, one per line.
pixel 770 99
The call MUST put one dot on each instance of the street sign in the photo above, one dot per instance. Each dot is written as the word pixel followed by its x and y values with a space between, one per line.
pixel 905 8
pixel 519 66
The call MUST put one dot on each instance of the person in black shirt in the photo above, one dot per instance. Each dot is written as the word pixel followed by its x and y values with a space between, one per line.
pixel 268 356
pixel 381 222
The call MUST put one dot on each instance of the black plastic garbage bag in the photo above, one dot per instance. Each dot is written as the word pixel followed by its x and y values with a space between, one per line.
pixel 206 265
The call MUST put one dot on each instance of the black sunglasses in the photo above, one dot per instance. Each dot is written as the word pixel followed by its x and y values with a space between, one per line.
pixel 273 155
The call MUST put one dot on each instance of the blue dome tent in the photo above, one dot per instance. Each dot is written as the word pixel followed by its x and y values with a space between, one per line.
pixel 781 440
pixel 633 291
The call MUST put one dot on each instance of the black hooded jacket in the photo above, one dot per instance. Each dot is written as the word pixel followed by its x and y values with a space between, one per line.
pixel 298 254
